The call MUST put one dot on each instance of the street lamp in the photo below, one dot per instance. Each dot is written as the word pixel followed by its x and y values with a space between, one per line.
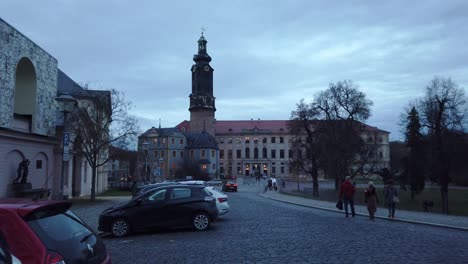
pixel 67 103
pixel 159 169
pixel 145 151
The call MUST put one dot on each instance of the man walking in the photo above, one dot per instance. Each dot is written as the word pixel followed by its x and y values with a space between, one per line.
pixel 347 190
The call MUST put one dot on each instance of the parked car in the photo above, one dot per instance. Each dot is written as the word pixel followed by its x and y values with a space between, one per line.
pixel 144 188
pixel 194 182
pixel 48 232
pixel 175 205
pixel 230 186
pixel 5 255
pixel 215 182
pixel 221 200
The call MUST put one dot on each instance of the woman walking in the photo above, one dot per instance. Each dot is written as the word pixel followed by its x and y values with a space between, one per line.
pixel 371 199
pixel 391 198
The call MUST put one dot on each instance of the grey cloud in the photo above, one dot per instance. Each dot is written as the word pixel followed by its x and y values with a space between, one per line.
pixel 266 56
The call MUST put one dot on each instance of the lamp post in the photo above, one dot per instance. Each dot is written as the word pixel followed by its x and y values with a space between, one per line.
pixel 145 151
pixel 67 103
pixel 159 169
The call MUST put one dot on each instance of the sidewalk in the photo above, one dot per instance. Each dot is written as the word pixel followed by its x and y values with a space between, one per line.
pixel 439 220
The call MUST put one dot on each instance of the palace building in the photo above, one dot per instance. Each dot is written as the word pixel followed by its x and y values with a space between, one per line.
pixel 223 147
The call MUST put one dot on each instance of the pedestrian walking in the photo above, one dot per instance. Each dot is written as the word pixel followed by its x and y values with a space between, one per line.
pixel 270 183
pixel 391 198
pixel 275 186
pixel 347 190
pixel 371 199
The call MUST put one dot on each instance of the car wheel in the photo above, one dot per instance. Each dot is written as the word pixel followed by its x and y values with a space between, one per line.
pixel 120 227
pixel 201 221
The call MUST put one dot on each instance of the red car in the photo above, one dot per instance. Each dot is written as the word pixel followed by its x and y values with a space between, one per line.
pixel 46 232
pixel 230 186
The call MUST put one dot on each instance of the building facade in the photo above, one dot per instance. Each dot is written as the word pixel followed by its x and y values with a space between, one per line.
pixel 165 152
pixel 28 87
pixel 31 124
pixel 264 147
pixel 235 148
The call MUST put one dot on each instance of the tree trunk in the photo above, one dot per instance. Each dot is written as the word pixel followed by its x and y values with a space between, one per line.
pixel 315 189
pixel 93 184
pixel 444 199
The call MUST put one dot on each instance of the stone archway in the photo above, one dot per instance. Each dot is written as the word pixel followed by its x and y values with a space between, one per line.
pixel 25 91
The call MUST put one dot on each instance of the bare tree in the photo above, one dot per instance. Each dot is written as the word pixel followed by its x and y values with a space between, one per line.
pixel 301 124
pixel 343 107
pixel 333 130
pixel 442 111
pixel 101 120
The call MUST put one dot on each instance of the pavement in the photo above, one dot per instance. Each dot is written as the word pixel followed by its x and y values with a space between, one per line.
pixel 422 218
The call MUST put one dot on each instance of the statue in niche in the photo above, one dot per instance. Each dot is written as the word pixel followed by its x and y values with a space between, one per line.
pixel 22 172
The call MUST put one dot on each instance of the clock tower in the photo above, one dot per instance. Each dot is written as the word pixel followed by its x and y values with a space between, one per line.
pixel 202 102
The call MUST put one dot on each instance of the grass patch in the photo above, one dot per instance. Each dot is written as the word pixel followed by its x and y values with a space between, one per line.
pixel 458 199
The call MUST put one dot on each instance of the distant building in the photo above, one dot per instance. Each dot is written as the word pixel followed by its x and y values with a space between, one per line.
pixel 164 151
pixel 240 148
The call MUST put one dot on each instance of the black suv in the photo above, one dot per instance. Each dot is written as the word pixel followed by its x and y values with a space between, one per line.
pixel 174 205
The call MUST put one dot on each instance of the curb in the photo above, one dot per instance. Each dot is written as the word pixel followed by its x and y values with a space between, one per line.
pixel 365 215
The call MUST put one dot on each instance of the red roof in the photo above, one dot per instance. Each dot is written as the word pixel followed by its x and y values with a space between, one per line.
pixel 259 126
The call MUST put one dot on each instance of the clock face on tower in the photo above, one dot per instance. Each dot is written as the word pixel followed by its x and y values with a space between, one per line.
pixel 207 68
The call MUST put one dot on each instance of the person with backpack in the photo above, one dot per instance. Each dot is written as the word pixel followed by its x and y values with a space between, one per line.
pixel 347 190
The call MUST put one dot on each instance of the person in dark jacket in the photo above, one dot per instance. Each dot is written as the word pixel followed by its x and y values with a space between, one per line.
pixel 270 183
pixel 347 190
pixel 391 198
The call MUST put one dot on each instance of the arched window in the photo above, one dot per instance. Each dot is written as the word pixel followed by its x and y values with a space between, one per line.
pixel 264 153
pixel 255 153
pixel 25 90
pixel 247 153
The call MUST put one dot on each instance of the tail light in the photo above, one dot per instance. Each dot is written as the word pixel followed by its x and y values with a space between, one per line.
pixel 235 185
pixel 222 199
pixel 54 258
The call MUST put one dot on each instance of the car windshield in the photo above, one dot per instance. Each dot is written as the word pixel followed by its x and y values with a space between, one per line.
pixel 57 229
pixel 60 232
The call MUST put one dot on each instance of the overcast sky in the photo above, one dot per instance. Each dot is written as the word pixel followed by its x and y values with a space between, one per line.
pixel 267 55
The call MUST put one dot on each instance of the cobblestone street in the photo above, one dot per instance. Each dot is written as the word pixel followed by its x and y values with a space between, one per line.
pixel 259 230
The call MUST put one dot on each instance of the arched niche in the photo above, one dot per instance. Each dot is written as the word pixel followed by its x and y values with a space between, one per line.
pixel 25 90
pixel 12 160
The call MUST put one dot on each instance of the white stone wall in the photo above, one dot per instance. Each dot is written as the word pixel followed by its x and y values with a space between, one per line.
pixel 13 47
pixel 14 149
